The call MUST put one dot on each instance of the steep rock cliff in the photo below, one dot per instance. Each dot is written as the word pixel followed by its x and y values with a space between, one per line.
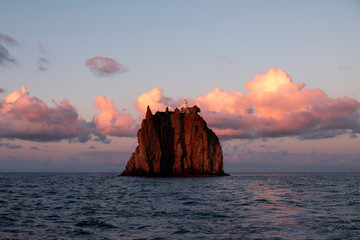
pixel 175 143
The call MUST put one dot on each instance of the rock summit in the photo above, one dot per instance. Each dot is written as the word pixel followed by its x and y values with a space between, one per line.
pixel 175 143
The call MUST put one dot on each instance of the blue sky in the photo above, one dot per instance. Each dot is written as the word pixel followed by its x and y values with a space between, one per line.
pixel 186 48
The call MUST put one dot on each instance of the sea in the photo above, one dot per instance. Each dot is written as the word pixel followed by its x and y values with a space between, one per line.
pixel 240 206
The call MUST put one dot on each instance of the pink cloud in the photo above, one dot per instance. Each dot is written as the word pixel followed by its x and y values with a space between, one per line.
pixel 111 121
pixel 103 66
pixel 156 100
pixel 274 106
pixel 219 100
pixel 29 118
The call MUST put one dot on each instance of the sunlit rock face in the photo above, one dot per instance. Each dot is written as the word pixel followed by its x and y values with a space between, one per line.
pixel 175 143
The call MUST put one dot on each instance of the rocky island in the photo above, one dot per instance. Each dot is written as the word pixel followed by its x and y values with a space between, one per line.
pixel 177 143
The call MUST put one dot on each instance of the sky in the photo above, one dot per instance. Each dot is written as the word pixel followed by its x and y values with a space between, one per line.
pixel 277 81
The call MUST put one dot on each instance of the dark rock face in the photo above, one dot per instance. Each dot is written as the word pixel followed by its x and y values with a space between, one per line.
pixel 175 144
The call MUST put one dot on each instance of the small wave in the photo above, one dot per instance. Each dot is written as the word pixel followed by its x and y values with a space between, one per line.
pixel 97 206
pixel 262 200
pixel 180 232
pixel 81 232
pixel 189 203
pixel 94 223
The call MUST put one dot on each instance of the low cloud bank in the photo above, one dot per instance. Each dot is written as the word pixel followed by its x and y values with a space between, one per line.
pixel 29 118
pixel 273 106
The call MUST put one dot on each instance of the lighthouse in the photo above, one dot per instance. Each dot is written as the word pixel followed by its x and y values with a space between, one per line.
pixel 185 104
pixel 184 108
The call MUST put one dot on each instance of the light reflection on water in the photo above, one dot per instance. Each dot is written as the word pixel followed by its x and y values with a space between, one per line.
pixel 246 206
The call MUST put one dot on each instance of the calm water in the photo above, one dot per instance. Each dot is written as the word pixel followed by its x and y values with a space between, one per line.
pixel 242 206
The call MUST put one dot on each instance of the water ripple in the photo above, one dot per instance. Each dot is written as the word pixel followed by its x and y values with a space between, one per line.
pixel 242 206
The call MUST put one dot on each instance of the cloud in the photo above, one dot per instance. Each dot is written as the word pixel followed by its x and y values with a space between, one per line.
pixel 10 146
pixel 2 90
pixel 5 57
pixel 221 101
pixel 7 40
pixel 103 66
pixel 111 121
pixel 224 59
pixel 156 100
pixel 43 63
pixel 29 118
pixel 274 106
pixel 42 49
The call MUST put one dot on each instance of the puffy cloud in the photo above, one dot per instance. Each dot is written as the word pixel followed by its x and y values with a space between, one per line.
pixel 2 90
pixel 156 100
pixel 219 100
pixel 5 57
pixel 275 106
pixel 103 66
pixel 29 118
pixel 111 121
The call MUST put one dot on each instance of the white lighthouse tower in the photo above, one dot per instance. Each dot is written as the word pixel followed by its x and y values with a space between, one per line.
pixel 185 104
pixel 184 108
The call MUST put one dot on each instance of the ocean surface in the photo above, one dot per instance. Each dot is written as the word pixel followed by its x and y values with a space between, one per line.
pixel 242 206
